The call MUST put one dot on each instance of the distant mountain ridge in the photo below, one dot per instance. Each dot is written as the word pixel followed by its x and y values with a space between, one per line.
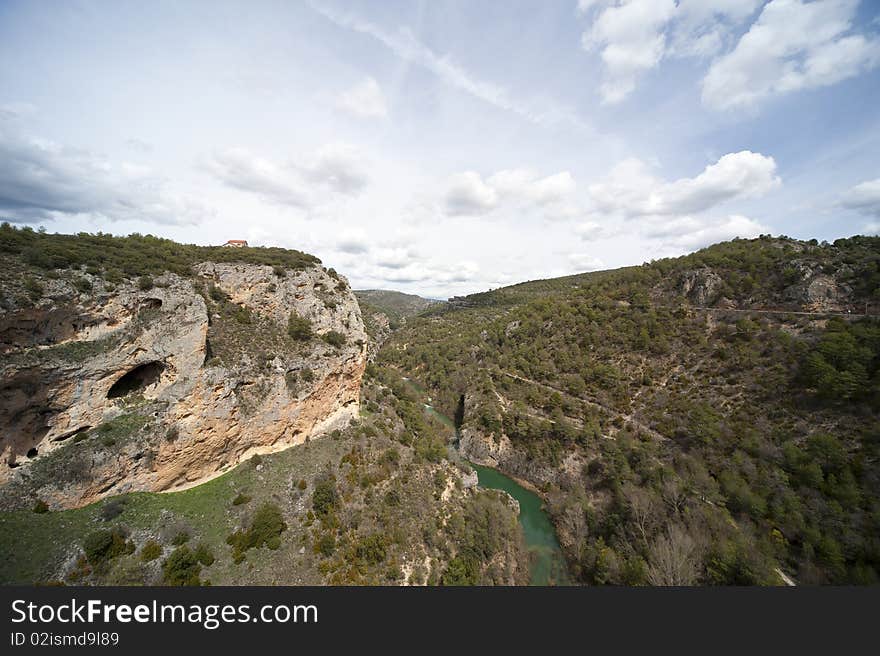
pixel 396 305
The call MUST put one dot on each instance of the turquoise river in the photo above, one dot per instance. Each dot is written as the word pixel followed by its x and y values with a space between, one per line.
pixel 546 562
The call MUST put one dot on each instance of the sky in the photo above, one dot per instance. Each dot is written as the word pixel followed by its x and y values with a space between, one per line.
pixel 444 147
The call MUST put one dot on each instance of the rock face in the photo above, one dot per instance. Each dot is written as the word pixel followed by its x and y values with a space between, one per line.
pixel 701 287
pixel 501 454
pixel 818 292
pixel 122 389
pixel 380 332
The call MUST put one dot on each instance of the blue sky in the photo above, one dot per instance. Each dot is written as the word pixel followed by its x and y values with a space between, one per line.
pixel 444 147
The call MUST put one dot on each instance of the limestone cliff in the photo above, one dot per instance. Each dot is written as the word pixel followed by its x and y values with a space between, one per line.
pixel 162 384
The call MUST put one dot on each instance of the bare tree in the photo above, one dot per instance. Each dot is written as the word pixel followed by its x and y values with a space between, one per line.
pixel 643 509
pixel 673 558
pixel 674 494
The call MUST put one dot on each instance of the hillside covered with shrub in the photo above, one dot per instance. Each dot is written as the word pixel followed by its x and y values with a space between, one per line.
pixel 710 419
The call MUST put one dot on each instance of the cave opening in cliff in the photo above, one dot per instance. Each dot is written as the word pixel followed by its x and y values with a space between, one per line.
pixel 32 452
pixel 150 304
pixel 137 379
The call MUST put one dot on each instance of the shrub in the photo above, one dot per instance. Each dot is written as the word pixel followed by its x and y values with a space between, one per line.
pixel 145 283
pixel 302 485
pixel 81 284
pixel 299 327
pixel 112 509
pixel 324 497
pixel 265 529
pixel 326 544
pixel 334 338
pixel 306 374
pixel 182 537
pixel 33 288
pixel 241 499
pixel 464 569
pixel 135 255
pixel 372 548
pixel 150 551
pixel 181 568
pixel 216 294
pixel 203 554
pixel 279 271
pixel 40 507
pixel 104 545
pixel 290 381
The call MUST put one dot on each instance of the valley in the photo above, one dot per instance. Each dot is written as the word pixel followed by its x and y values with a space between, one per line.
pixel 185 415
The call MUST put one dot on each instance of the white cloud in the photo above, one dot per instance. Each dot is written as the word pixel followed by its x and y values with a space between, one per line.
pixel 631 191
pixel 631 203
pixel 404 44
pixel 364 100
pixel 634 36
pixel 864 198
pixel 388 270
pixel 584 6
pixel 337 168
pixel 40 180
pixel 703 27
pixel 793 45
pixel 395 258
pixel 690 233
pixel 242 170
pixel 585 262
pixel 353 241
pixel 630 39
pixel 527 184
pixel 468 194
pixel 592 230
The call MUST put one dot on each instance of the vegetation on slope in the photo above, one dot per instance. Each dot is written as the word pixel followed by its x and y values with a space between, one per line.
pixel 133 256
pixel 708 446
pixel 376 503
pixel 395 305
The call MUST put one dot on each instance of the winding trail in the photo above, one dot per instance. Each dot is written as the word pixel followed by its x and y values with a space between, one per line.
pixel 593 404
pixel 849 315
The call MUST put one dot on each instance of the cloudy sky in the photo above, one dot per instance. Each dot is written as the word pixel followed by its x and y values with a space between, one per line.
pixel 444 147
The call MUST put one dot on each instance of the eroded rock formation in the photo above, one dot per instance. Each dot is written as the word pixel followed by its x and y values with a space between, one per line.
pixel 124 388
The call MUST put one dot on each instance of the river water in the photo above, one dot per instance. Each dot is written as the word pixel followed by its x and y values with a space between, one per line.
pixel 546 563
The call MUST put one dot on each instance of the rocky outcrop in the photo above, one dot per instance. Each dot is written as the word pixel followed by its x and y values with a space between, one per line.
pixel 701 287
pixel 817 292
pixel 379 332
pixel 125 388
pixel 501 454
